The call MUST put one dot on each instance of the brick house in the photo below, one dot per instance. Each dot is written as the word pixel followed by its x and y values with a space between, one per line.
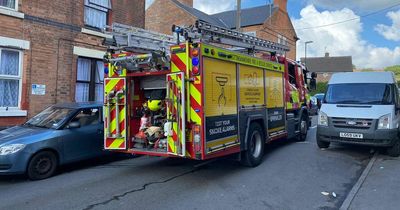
pixel 51 51
pixel 269 22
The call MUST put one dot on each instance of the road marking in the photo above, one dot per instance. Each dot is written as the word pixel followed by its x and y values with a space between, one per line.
pixel 353 192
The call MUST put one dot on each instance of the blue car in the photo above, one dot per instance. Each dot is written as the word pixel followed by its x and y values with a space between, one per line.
pixel 60 134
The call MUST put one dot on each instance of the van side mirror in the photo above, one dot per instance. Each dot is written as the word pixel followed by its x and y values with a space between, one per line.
pixel 74 124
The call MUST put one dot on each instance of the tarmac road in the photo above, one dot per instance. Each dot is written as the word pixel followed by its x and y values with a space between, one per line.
pixel 292 176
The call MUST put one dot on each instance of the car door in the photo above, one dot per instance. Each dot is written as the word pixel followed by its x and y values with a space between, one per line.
pixel 86 140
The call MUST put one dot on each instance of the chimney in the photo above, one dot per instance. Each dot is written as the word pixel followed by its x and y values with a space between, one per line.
pixel 186 2
pixel 326 54
pixel 282 4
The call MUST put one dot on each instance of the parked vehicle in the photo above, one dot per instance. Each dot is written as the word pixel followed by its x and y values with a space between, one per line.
pixel 206 101
pixel 314 106
pixel 60 134
pixel 361 108
pixel 320 98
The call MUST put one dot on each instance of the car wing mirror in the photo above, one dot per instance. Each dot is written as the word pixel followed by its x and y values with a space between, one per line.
pixel 75 124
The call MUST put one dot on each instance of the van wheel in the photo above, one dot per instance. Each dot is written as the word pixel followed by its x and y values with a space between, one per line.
pixel 394 151
pixel 303 128
pixel 323 144
pixel 254 153
pixel 42 165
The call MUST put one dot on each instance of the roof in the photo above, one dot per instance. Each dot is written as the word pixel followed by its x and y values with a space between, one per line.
pixel 199 14
pixel 76 105
pixel 329 64
pixel 362 77
pixel 249 17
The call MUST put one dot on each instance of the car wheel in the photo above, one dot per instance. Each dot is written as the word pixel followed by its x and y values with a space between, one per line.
pixel 42 165
pixel 323 144
pixel 394 150
pixel 255 146
pixel 303 128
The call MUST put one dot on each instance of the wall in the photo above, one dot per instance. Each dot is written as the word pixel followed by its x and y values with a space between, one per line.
pixel 163 13
pixel 53 28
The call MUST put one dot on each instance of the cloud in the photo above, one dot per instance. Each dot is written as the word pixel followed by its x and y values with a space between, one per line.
pixel 211 7
pixel 390 32
pixel 148 3
pixel 340 40
pixel 358 5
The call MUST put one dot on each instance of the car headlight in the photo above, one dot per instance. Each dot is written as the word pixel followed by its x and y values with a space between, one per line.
pixel 11 148
pixel 322 119
pixel 384 122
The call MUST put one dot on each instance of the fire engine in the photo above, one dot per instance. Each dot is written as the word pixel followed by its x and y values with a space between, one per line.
pixel 204 93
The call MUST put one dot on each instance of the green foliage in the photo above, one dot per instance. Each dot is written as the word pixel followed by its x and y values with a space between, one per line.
pixel 395 70
pixel 321 88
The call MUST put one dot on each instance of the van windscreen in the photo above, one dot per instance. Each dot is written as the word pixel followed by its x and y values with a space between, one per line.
pixel 360 93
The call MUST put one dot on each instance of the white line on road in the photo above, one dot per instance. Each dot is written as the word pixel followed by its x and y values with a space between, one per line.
pixel 353 192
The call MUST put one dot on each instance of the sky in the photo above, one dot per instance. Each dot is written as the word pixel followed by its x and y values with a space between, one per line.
pixel 367 30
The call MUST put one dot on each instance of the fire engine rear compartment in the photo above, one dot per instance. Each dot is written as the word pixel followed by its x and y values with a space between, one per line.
pixel 147 113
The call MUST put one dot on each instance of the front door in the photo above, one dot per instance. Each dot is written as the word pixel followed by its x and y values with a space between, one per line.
pixel 176 114
pixel 87 140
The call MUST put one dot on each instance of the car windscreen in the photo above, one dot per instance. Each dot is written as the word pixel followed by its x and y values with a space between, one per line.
pixel 51 117
pixel 360 93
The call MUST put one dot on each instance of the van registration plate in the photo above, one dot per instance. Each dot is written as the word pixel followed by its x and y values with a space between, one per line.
pixel 351 135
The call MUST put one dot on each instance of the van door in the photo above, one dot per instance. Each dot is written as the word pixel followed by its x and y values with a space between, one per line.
pixel 176 114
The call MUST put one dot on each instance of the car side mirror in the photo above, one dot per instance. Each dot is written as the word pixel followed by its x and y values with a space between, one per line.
pixel 75 124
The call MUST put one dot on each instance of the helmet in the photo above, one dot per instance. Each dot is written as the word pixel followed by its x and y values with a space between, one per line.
pixel 154 105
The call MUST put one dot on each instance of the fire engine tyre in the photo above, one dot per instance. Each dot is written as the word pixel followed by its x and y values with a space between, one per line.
pixel 42 165
pixel 394 151
pixel 255 146
pixel 303 128
pixel 323 144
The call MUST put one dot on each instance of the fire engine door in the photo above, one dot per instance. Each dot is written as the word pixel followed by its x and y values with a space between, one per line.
pixel 115 114
pixel 176 113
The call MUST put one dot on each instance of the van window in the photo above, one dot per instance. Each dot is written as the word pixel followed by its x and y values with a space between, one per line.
pixel 360 93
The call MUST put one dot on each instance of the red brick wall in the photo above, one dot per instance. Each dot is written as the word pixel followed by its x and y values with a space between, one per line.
pixel 50 59
pixel 162 14
pixel 130 12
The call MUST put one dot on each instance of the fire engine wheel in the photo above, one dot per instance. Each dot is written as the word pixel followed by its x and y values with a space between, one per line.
pixel 42 165
pixel 255 146
pixel 303 128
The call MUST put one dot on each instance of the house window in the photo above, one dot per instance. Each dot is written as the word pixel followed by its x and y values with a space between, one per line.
pixel 89 82
pixel 96 13
pixel 282 40
pixel 12 4
pixel 10 78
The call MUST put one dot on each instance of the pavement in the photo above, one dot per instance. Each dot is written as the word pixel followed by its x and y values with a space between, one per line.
pixel 381 187
pixel 293 175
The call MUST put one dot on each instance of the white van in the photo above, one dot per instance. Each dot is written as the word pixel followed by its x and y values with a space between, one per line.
pixel 361 108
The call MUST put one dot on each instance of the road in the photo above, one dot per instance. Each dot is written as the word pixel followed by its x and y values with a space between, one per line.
pixel 292 176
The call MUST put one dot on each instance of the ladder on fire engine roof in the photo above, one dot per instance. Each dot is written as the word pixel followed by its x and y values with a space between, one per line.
pixel 211 33
pixel 133 39
pixel 152 49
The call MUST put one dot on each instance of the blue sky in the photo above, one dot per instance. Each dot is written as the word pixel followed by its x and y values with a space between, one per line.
pixel 373 41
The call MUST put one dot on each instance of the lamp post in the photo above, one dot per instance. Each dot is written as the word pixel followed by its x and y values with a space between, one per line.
pixel 305 51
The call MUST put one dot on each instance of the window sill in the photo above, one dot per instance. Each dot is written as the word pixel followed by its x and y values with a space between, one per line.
pixel 95 33
pixel 13 113
pixel 12 13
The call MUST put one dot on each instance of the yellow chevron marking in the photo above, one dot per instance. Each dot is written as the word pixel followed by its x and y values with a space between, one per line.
pixel 195 93
pixel 195 116
pixel 116 143
pixel 111 84
pixel 113 123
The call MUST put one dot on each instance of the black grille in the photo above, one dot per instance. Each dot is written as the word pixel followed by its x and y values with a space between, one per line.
pixel 352 123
